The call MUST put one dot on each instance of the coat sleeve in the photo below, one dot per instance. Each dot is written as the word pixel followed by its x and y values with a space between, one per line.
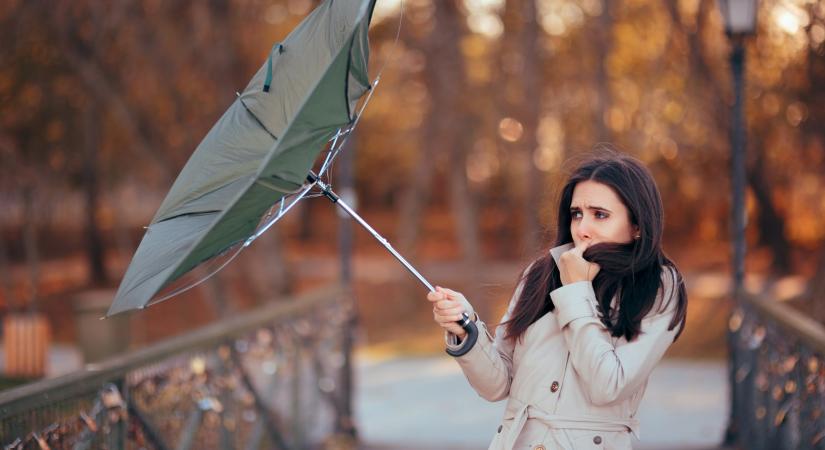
pixel 488 366
pixel 610 373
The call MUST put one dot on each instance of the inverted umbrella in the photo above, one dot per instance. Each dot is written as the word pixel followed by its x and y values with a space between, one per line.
pixel 256 162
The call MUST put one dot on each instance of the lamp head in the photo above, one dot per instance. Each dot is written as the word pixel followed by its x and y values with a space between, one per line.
pixel 740 16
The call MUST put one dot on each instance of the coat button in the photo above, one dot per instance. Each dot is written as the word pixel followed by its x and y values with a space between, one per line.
pixel 597 440
pixel 538 447
pixel 554 386
pixel 499 429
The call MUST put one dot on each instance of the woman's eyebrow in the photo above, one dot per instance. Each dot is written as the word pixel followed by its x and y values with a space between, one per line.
pixel 594 208
pixel 599 208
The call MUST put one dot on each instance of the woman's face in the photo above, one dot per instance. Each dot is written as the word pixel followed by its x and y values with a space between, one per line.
pixel 598 215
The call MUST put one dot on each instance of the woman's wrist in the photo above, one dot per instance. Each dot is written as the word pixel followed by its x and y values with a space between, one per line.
pixel 572 281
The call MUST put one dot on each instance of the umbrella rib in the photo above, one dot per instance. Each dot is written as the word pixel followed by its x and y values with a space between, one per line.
pixel 349 71
pixel 257 119
pixel 334 147
pixel 281 211
pixel 190 213
pixel 275 188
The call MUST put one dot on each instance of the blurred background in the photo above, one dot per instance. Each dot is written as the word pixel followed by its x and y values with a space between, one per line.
pixel 484 107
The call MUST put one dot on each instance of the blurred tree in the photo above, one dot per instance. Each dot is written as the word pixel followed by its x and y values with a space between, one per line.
pixel 449 132
pixel 813 91
pixel 481 101
pixel 769 222
pixel 91 185
pixel 30 244
pixel 519 100
pixel 5 277
pixel 105 89
pixel 8 157
pixel 454 138
pixel 603 41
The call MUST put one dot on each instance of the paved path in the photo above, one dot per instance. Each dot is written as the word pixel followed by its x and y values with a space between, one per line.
pixel 425 403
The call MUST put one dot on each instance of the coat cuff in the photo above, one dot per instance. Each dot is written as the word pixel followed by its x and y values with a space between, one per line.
pixel 454 342
pixel 574 301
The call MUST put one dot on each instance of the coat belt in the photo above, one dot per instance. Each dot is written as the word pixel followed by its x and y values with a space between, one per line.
pixel 526 411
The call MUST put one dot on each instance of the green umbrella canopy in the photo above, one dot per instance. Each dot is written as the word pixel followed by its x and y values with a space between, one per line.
pixel 260 150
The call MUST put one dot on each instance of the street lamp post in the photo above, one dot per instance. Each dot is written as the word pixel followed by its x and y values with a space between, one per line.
pixel 740 23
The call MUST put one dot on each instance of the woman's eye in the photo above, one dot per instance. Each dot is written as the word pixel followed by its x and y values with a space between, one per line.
pixel 601 215
pixel 576 214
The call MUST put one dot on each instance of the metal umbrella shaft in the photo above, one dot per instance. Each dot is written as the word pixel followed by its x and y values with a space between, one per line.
pixel 468 325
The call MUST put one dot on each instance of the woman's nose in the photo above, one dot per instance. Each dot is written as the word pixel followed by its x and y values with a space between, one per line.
pixel 584 231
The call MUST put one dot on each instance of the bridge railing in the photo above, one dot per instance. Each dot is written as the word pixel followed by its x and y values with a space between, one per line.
pixel 778 374
pixel 275 377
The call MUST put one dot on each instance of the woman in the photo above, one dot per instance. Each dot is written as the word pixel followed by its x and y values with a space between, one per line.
pixel 588 321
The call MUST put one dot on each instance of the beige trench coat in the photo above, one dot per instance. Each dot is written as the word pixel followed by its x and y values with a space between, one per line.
pixel 568 383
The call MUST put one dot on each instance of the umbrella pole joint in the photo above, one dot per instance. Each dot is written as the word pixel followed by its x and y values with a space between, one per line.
pixel 325 189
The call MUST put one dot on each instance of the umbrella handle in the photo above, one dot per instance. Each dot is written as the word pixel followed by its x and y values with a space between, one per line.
pixel 470 340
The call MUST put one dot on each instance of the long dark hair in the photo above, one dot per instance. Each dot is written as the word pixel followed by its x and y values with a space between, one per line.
pixel 632 271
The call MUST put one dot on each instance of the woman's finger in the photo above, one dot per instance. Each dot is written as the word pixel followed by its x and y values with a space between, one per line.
pixel 458 331
pixel 450 316
pixel 447 304
pixel 447 319
pixel 451 312
pixel 444 320
pixel 452 294
pixel 435 296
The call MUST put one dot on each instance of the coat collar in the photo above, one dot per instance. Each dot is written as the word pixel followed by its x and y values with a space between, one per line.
pixel 557 251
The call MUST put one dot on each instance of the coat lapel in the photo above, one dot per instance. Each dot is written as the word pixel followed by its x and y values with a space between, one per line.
pixel 557 251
